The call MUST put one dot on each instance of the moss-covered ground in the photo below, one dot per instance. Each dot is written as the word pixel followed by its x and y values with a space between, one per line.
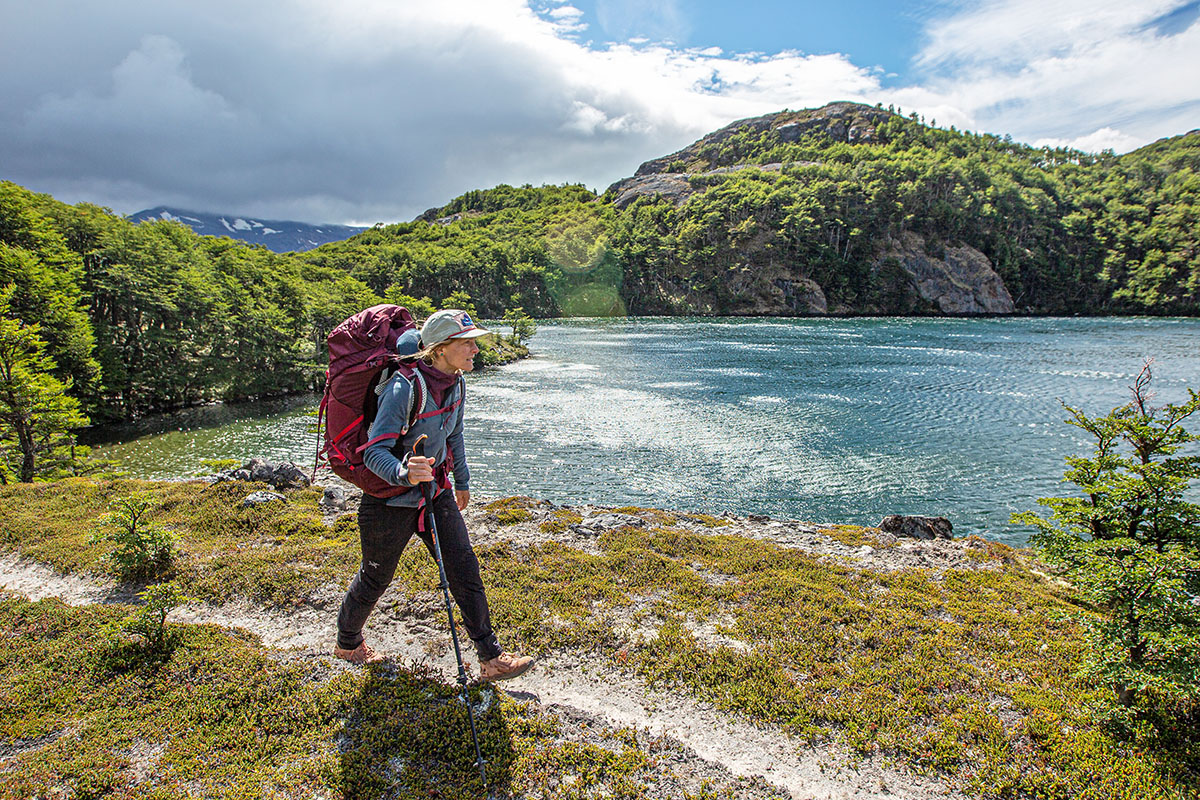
pixel 966 673
pixel 89 715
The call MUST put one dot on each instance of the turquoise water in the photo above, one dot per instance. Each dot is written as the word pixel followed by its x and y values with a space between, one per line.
pixel 842 420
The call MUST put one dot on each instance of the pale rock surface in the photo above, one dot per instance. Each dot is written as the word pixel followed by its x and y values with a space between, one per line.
pixel 962 281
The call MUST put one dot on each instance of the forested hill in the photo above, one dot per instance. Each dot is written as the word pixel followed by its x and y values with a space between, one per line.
pixel 135 318
pixel 842 209
pixel 151 316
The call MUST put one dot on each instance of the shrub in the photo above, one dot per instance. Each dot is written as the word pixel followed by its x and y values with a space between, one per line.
pixel 219 464
pixel 150 620
pixel 142 548
pixel 1131 545
pixel 523 326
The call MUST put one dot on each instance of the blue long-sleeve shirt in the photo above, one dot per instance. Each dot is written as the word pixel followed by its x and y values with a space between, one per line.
pixel 392 441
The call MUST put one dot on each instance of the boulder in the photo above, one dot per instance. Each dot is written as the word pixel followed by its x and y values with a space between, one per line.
pixel 335 498
pixel 261 498
pixel 288 476
pixel 916 527
pixel 285 475
pixel 261 470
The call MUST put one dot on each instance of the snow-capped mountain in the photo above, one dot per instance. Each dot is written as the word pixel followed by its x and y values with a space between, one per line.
pixel 279 235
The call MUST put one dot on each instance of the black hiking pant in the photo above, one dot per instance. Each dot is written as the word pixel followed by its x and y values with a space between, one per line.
pixel 385 530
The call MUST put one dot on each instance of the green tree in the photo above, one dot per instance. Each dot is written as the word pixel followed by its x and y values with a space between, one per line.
pixel 36 413
pixel 1130 543
pixel 523 326
pixel 150 621
pixel 141 547
pixel 419 307
pixel 460 300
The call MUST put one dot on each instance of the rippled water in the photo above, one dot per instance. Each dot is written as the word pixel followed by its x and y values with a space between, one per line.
pixel 826 420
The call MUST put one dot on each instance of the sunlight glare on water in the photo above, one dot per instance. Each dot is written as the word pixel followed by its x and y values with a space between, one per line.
pixel 829 420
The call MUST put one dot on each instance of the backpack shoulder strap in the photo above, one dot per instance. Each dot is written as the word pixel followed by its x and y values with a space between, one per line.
pixel 416 398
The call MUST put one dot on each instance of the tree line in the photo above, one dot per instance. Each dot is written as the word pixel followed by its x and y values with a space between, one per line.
pixel 136 318
pixel 102 320
pixel 1068 232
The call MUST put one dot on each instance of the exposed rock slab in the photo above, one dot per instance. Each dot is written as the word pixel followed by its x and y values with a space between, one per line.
pixel 841 122
pixel 671 186
pixel 916 527
pixel 675 187
pixel 961 281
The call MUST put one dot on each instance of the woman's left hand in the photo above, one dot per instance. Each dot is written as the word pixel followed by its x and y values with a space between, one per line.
pixel 462 497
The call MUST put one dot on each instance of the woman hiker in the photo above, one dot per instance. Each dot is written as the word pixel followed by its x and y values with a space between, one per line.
pixel 447 349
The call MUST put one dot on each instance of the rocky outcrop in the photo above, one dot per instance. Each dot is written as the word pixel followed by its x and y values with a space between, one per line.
pixel 262 498
pixel 675 187
pixel 670 186
pixel 802 295
pixel 960 281
pixel 840 122
pixel 914 527
pixel 775 289
pixel 285 475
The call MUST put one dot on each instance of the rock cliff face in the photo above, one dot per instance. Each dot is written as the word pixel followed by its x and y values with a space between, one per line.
pixel 962 281
pixel 673 186
pixel 776 290
pixel 907 278
pixel 958 281
pixel 841 122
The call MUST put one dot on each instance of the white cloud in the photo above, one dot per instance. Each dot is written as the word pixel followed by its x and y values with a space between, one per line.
pixel 377 109
pixel 1056 71
pixel 1104 139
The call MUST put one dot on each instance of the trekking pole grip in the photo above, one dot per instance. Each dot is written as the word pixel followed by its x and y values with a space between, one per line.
pixel 418 449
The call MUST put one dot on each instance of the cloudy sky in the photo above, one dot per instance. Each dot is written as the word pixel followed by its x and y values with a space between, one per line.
pixel 373 110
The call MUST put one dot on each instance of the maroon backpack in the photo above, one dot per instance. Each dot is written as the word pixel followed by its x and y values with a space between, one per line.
pixel 362 354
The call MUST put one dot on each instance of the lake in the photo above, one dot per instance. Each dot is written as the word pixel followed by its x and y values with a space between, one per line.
pixel 829 420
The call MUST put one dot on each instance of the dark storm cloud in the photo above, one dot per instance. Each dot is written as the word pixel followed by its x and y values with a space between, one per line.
pixel 373 110
pixel 286 112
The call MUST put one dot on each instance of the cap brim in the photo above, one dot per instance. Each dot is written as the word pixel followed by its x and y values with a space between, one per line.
pixel 470 334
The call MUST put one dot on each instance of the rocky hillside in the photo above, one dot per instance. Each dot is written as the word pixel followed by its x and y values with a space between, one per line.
pixel 844 209
pixel 856 209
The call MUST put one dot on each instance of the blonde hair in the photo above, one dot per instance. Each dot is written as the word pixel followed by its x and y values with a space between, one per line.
pixel 426 354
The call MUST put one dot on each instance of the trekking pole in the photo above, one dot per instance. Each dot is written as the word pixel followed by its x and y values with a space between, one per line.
pixel 427 493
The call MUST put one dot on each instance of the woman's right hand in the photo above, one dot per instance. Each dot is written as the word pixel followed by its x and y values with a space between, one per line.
pixel 420 469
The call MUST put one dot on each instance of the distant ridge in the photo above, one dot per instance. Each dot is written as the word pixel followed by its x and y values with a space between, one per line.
pixel 281 236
